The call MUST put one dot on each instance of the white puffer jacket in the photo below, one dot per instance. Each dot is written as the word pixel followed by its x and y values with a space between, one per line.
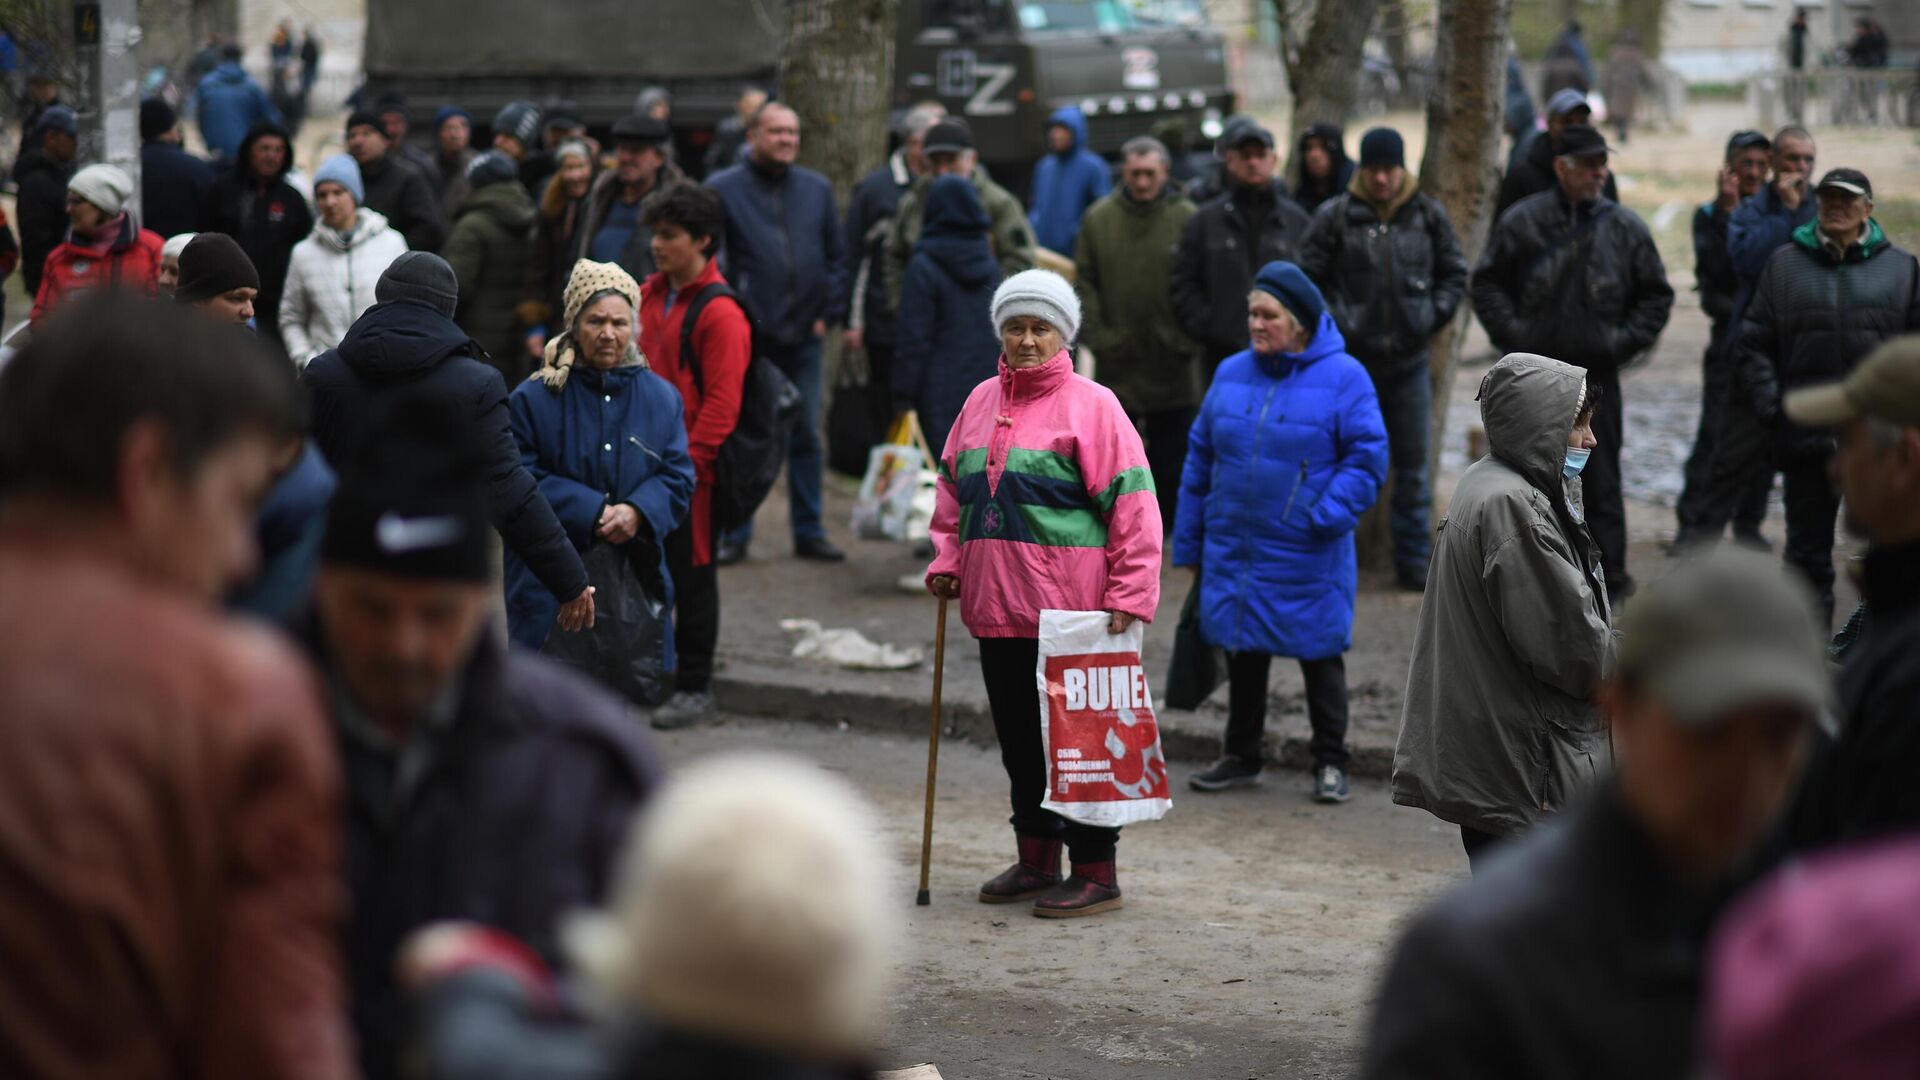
pixel 330 282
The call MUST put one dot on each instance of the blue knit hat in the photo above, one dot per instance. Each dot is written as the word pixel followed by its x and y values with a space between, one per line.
pixel 1289 284
pixel 343 170
pixel 448 112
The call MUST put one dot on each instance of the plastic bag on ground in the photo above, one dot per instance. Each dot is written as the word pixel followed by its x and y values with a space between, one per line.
pixel 898 492
pixel 1104 762
pixel 847 648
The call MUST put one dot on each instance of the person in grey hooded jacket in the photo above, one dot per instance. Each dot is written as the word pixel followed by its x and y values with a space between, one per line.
pixel 1500 727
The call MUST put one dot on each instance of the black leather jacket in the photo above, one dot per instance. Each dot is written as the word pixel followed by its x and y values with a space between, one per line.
pixel 1214 267
pixel 1389 284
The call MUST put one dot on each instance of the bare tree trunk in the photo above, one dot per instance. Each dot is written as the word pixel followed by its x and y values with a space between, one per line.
pixel 1463 143
pixel 1327 78
pixel 837 73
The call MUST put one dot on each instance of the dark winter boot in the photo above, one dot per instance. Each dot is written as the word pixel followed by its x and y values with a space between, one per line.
pixel 1091 889
pixel 1037 871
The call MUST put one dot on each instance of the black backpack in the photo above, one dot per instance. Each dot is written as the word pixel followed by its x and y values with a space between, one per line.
pixel 751 458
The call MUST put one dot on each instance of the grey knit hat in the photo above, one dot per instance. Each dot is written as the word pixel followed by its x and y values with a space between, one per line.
pixel 422 276
pixel 1041 294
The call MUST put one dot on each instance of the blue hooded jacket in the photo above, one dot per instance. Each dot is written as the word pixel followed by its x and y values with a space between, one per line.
pixel 1287 453
pixel 946 343
pixel 1064 185
pixel 229 104
pixel 607 437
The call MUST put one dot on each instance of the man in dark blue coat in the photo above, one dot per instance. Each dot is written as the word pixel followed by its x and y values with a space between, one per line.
pixel 482 784
pixel 409 342
pixel 1067 180
pixel 784 256
pixel 229 104
pixel 173 183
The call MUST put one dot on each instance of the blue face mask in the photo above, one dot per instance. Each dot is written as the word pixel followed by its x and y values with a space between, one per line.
pixel 1576 460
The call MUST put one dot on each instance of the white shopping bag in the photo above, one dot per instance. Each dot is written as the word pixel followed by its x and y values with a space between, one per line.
pixel 1104 762
pixel 897 495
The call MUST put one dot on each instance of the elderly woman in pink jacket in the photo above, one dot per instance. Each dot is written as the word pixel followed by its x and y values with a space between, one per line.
pixel 1046 502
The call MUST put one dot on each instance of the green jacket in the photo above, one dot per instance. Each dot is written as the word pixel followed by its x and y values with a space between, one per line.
pixel 1121 263
pixel 489 248
pixel 1011 236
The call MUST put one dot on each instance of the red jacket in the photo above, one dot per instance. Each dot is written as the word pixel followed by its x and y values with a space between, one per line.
pixel 723 341
pixel 131 262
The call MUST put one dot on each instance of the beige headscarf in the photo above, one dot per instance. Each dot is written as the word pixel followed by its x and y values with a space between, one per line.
pixel 588 278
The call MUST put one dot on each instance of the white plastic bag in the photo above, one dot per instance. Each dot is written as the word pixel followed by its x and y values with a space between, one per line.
pixel 1104 762
pixel 897 495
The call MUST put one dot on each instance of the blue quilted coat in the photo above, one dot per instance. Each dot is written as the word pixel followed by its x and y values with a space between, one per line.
pixel 1287 453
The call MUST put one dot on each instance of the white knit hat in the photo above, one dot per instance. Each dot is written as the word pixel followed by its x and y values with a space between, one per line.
pixel 105 186
pixel 1041 294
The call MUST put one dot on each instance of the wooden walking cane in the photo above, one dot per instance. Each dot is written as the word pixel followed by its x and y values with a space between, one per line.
pixel 933 753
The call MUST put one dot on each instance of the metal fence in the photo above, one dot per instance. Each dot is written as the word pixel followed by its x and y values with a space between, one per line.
pixel 1837 97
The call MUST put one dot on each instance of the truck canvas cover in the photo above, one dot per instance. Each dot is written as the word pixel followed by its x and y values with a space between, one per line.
pixel 660 40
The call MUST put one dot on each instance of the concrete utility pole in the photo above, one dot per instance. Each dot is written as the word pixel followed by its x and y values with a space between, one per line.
pixel 105 33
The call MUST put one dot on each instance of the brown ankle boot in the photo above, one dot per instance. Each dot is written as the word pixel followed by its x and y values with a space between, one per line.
pixel 1037 871
pixel 1092 889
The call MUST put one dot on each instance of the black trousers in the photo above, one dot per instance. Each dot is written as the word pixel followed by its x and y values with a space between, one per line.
pixel 1606 506
pixel 696 616
pixel 1749 507
pixel 1477 844
pixel 1008 665
pixel 1812 507
pixel 1165 435
pixel 1741 467
pixel 1326 706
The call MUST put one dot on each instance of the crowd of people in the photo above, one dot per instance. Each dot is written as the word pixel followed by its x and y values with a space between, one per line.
pixel 466 423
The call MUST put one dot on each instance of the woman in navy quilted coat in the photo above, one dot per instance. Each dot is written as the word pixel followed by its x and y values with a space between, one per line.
pixel 1287 453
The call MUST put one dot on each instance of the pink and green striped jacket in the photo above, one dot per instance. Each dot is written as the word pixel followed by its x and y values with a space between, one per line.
pixel 1045 502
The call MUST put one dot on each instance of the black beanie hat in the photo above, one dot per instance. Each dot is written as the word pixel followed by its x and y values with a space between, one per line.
pixel 156 119
pixel 212 264
pixel 422 276
pixel 367 118
pixel 492 167
pixel 412 498
pixel 1382 147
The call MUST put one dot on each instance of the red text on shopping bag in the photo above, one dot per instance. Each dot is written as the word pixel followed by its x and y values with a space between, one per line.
pixel 1103 742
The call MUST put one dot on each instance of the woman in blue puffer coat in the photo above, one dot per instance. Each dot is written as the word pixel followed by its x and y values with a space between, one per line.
pixel 1287 453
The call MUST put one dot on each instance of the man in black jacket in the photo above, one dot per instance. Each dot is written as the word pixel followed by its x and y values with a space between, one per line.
pixel 173 183
pixel 254 204
pixel 610 229
pixel 408 341
pixel 1571 274
pixel 1825 300
pixel 1576 951
pixel 396 187
pixel 42 174
pixel 1229 239
pixel 1530 167
pixel 1386 258
pixel 482 784
pixel 1861 781
pixel 1742 175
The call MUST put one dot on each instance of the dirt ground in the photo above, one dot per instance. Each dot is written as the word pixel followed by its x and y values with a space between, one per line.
pixel 1255 925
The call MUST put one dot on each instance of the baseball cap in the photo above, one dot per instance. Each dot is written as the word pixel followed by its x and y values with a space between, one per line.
pixel 58 118
pixel 1726 630
pixel 1566 101
pixel 1241 130
pixel 1747 140
pixel 950 136
pixel 1852 181
pixel 1579 140
pixel 1886 385
pixel 640 128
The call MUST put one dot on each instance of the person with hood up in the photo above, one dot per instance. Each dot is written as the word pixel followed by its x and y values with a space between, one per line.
pixel 1045 502
pixel 489 250
pixel 41 205
pixel 229 105
pixel 1325 169
pixel 1068 179
pixel 1121 262
pixel 947 344
pixel 949 149
pixel 105 247
pixel 1386 256
pixel 1499 728
pixel 595 390
pixel 1267 512
pixel 398 188
pixel 331 278
pixel 407 342
pixel 256 205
